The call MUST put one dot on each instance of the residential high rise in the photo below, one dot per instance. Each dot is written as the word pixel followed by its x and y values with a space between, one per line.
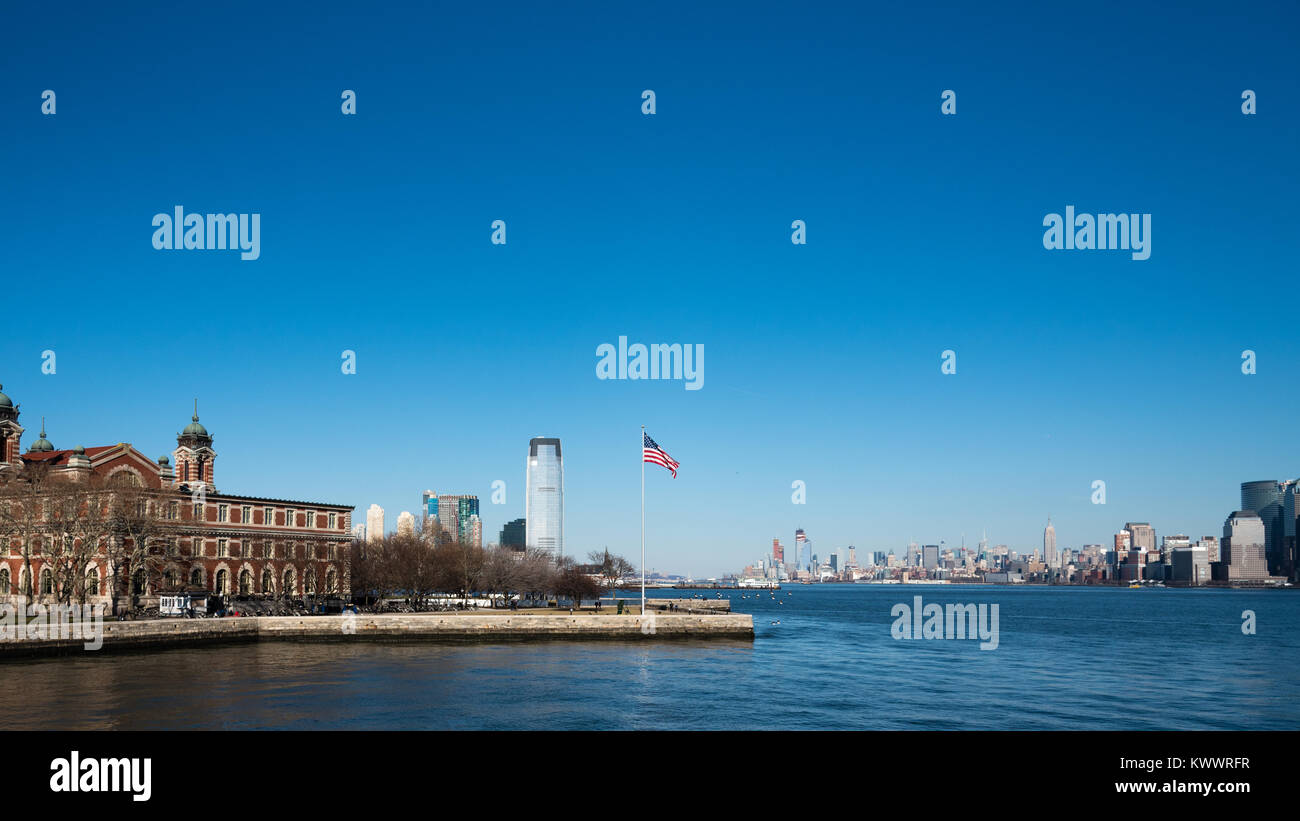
pixel 374 523
pixel 544 495
pixel 405 523
pixel 1050 556
pixel 1266 498
pixel 452 516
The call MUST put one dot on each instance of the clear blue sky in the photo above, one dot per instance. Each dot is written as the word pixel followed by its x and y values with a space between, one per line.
pixel 822 361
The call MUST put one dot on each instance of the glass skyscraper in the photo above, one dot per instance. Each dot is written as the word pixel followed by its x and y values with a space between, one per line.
pixel 544 496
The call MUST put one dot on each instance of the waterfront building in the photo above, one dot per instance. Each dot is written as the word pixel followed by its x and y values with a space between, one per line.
pixel 1243 548
pixel 173 529
pixel 544 495
pixel 1267 499
pixel 1190 565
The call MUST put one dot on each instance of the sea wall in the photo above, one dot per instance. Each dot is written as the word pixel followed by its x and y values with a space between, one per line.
pixel 392 627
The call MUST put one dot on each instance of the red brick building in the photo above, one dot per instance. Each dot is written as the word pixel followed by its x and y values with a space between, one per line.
pixel 203 537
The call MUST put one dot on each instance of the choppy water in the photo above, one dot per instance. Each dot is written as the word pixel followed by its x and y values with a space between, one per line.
pixel 1067 659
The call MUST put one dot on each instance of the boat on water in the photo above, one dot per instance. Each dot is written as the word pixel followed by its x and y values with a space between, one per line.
pixel 1135 586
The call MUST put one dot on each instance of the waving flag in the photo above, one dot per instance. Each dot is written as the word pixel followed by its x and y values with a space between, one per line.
pixel 651 452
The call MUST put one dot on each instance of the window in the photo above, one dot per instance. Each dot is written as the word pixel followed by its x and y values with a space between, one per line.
pixel 288 517
pixel 334 521
pixel 309 519
pixel 196 577
pixel 47 582
pixel 92 582
pixel 223 550
pixel 4 581
pixel 246 514
pixel 173 549
pixel 268 516
pixel 223 513
pixel 172 510
pixel 334 553
pixel 198 511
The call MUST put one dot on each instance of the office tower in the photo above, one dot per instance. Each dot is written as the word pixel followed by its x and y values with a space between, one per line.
pixel 474 528
pixel 778 552
pixel 1049 546
pixel 544 495
pixel 1290 510
pixel 1243 547
pixel 1211 545
pixel 374 523
pixel 405 524
pixel 1142 536
pixel 515 534
pixel 802 550
pixel 429 504
pixel 930 555
pixel 853 556
pixel 835 562
pixel 1190 565
pixel 1266 498
pixel 913 557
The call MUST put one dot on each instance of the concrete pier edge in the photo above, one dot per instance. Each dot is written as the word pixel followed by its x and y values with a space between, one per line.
pixel 414 627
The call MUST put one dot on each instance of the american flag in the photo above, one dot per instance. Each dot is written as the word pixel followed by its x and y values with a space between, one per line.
pixel 651 452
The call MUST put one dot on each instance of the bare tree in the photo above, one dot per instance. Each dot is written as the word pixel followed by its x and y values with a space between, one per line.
pixel 459 567
pixel 135 524
pixel 613 567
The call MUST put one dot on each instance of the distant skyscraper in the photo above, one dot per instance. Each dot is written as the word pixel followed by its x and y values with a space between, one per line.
pixel 1050 555
pixel 778 552
pixel 544 495
pixel 1142 536
pixel 374 523
pixel 515 534
pixel 930 556
pixel 405 523
pixel 803 550
pixel 1266 498
pixel 1243 547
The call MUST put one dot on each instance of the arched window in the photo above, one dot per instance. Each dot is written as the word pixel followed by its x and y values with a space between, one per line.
pixel 4 581
pixel 170 579
pixel 268 581
pixel 331 581
pixel 92 582
pixel 245 582
pixel 309 584
pixel 196 577
pixel 139 582
pixel 288 582
pixel 47 582
pixel 25 583
pixel 221 582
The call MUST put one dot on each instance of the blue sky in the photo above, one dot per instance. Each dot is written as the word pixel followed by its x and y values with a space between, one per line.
pixel 822 361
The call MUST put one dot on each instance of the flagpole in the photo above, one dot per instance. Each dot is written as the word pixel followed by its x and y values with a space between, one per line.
pixel 643 520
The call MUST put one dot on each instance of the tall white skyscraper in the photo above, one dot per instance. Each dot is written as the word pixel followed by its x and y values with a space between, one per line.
pixel 1050 557
pixel 374 523
pixel 544 496
pixel 406 523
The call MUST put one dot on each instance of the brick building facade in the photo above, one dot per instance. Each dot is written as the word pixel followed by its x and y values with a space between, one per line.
pixel 201 537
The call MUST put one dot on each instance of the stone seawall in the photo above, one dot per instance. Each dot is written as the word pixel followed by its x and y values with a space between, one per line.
pixel 393 627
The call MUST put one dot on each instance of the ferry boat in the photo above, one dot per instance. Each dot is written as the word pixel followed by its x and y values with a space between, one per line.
pixel 1134 585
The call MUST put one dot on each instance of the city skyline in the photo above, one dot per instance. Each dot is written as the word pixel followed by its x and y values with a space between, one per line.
pixel 924 234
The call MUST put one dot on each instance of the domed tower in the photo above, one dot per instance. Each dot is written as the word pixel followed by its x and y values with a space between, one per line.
pixel 194 455
pixel 11 433
pixel 41 445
